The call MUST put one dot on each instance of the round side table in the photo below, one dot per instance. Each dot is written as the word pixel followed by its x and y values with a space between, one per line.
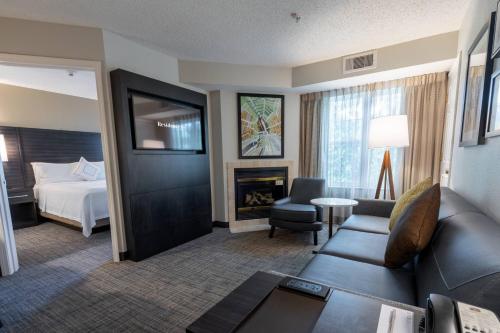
pixel 332 203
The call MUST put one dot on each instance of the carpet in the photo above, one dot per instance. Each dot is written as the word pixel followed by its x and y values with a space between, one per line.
pixel 68 283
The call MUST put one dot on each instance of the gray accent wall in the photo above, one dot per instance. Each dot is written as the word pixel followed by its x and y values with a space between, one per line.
pixel 475 172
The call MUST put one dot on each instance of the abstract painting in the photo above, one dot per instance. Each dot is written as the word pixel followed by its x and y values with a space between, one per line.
pixel 260 125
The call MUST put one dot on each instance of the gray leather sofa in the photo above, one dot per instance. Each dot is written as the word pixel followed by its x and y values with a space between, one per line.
pixel 462 261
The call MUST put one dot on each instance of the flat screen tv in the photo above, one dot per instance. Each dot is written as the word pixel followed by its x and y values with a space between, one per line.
pixel 163 124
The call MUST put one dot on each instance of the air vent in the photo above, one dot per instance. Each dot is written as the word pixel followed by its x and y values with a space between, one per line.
pixel 360 62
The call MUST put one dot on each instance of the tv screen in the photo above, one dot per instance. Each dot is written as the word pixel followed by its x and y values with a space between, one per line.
pixel 165 125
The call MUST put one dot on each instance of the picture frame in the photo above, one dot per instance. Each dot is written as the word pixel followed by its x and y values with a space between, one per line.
pixel 477 87
pixel 493 121
pixel 496 40
pixel 261 132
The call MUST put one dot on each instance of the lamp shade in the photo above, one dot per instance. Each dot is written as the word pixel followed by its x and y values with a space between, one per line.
pixel 389 132
pixel 3 149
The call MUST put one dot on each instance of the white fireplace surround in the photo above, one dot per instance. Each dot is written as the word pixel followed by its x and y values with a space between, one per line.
pixel 256 224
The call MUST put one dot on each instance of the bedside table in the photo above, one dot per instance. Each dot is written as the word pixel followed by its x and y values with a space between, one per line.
pixel 23 208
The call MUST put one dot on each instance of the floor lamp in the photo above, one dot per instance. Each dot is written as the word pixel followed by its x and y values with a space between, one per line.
pixel 388 132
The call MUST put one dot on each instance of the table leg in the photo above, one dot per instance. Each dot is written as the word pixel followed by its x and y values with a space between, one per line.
pixel 330 222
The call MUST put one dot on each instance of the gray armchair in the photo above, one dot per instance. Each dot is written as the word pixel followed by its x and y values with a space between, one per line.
pixel 296 212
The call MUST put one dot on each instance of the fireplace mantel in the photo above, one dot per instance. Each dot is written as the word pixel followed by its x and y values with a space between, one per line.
pixel 256 224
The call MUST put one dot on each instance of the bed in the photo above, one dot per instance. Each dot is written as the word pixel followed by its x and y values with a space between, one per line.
pixel 66 198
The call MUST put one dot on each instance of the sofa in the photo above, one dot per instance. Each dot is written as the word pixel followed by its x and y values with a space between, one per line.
pixel 462 260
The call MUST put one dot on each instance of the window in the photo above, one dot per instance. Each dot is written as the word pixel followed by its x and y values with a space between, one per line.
pixel 349 167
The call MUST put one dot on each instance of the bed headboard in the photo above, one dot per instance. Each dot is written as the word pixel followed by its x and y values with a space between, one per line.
pixel 26 145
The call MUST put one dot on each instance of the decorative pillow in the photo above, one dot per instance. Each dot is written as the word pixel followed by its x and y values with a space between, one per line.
pixel 414 228
pixel 407 198
pixel 46 173
pixel 86 170
pixel 101 175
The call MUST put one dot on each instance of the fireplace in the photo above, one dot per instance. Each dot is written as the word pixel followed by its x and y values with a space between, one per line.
pixel 256 189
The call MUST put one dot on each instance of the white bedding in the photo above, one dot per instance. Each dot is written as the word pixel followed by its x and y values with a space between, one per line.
pixel 82 201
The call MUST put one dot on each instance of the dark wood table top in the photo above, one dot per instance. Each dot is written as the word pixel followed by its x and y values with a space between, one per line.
pixel 345 311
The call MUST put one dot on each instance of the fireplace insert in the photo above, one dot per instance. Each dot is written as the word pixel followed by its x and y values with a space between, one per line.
pixel 257 189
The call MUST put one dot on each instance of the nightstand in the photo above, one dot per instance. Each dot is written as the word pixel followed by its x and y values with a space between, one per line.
pixel 23 208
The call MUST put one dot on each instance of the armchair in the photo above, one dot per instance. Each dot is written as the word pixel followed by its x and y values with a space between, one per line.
pixel 296 212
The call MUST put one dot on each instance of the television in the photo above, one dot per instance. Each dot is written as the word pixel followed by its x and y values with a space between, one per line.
pixel 163 124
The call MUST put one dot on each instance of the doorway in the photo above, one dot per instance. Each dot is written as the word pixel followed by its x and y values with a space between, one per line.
pixel 67 143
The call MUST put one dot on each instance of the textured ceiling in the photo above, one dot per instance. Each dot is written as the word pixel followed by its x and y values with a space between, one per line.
pixel 254 31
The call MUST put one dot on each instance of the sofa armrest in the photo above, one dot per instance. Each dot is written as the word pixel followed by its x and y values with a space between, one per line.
pixel 282 201
pixel 374 207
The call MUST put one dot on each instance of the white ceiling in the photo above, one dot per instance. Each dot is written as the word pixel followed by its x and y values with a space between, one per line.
pixel 257 32
pixel 81 84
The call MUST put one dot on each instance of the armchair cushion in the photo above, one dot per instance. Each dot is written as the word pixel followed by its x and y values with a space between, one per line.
pixel 305 189
pixel 294 212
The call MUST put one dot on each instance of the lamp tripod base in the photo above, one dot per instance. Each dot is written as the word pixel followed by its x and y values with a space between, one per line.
pixel 385 175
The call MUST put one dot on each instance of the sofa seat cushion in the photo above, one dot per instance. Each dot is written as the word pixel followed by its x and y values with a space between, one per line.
pixel 367 223
pixel 393 284
pixel 355 245
pixel 297 226
pixel 294 212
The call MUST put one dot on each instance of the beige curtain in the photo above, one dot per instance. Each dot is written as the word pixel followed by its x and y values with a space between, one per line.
pixel 425 104
pixel 310 134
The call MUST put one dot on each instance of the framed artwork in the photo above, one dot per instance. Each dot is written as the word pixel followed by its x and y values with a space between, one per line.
pixel 493 124
pixel 477 87
pixel 261 126
pixel 496 40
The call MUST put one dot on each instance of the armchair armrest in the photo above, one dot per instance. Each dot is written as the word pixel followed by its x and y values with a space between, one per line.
pixel 374 207
pixel 282 201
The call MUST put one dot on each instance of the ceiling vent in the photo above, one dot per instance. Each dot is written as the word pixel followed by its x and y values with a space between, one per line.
pixel 360 62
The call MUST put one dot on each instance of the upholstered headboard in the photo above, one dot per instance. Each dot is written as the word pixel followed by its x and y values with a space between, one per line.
pixel 26 145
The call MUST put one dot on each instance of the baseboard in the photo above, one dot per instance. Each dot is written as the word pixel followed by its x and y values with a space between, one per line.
pixel 221 224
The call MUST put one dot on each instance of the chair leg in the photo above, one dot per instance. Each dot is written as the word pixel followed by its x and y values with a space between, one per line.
pixel 271 232
pixel 315 237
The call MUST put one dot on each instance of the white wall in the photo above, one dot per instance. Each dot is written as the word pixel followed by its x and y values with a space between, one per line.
pixel 24 107
pixel 120 52
pixel 225 140
pixel 475 170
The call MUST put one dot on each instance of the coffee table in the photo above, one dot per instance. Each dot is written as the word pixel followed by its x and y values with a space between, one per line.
pixel 334 206
pixel 252 307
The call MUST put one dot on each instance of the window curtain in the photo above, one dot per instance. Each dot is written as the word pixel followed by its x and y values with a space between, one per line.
pixel 334 134
pixel 311 109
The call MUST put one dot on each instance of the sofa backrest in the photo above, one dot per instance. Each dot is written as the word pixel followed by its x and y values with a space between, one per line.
pixel 452 204
pixel 305 189
pixel 463 259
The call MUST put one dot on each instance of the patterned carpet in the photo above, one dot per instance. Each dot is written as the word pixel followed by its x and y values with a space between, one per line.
pixel 68 283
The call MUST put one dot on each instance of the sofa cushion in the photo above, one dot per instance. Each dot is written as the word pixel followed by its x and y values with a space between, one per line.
pixel 367 223
pixel 394 284
pixel 407 197
pixel 356 245
pixel 414 228
pixel 462 261
pixel 294 212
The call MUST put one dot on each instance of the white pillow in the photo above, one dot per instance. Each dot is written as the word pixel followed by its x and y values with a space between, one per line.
pixel 101 175
pixel 86 170
pixel 46 173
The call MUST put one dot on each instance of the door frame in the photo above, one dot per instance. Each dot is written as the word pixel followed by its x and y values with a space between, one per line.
pixel 108 139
